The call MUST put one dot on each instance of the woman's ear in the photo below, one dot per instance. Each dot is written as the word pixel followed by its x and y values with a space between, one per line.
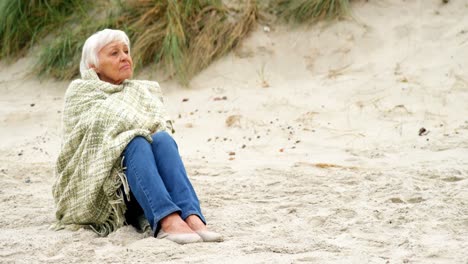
pixel 94 68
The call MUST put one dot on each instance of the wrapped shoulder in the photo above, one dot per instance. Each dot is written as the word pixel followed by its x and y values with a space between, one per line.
pixel 150 86
pixel 80 91
pixel 80 85
pixel 147 84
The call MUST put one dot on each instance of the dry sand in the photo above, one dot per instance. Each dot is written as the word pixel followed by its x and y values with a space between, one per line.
pixel 327 164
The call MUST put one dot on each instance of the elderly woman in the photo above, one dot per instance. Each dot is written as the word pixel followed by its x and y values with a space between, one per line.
pixel 117 156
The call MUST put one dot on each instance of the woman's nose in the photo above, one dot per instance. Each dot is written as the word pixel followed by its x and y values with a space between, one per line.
pixel 124 56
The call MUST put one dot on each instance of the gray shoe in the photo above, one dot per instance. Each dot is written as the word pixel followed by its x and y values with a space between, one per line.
pixel 209 236
pixel 184 238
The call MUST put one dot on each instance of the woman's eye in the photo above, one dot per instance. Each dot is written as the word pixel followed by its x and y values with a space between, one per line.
pixel 126 51
pixel 114 53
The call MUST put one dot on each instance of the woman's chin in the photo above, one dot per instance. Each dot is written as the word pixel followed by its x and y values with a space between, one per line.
pixel 127 74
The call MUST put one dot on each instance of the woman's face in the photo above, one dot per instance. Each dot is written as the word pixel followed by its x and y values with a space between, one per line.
pixel 115 63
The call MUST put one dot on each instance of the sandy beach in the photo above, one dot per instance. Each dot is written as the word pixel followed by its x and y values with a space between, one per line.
pixel 342 142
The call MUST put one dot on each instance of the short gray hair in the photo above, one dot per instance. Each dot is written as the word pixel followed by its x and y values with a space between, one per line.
pixel 96 42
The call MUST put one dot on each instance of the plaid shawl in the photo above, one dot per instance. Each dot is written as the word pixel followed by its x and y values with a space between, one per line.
pixel 99 120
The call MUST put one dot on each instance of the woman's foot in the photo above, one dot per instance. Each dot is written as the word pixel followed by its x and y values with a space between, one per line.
pixel 175 229
pixel 195 223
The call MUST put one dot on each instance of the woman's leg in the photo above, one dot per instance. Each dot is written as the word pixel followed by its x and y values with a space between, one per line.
pixel 146 183
pixel 174 176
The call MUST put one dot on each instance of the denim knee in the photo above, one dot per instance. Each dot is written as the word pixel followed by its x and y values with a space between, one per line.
pixel 136 141
pixel 162 137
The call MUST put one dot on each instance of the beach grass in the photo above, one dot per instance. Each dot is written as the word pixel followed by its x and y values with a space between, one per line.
pixel 310 11
pixel 60 58
pixel 25 23
pixel 183 37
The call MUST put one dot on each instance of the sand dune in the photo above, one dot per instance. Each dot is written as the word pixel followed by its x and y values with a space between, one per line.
pixel 304 145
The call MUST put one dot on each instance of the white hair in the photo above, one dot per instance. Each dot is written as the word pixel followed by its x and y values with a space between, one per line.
pixel 96 42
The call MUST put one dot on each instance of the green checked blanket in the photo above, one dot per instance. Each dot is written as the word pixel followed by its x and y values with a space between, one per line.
pixel 99 120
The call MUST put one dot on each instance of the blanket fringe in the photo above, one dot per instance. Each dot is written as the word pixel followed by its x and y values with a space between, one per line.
pixel 117 215
pixel 123 178
pixel 113 222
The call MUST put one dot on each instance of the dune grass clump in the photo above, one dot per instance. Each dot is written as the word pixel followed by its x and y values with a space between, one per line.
pixel 185 36
pixel 60 58
pixel 24 23
pixel 182 36
pixel 215 33
pixel 158 31
pixel 309 11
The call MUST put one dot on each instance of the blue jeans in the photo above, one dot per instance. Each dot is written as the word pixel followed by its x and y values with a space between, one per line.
pixel 158 180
